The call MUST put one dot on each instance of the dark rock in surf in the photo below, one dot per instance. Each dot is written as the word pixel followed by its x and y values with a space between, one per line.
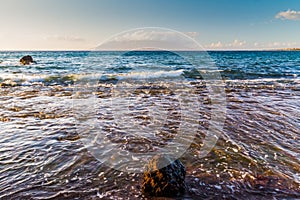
pixel 164 178
pixel 27 60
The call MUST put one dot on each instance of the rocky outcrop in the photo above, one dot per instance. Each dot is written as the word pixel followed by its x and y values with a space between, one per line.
pixel 27 60
pixel 162 181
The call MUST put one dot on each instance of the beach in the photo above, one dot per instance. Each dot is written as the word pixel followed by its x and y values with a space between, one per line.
pixel 136 106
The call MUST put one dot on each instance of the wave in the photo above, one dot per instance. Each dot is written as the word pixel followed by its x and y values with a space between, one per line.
pixel 9 63
pixel 18 79
pixel 25 79
pixel 150 75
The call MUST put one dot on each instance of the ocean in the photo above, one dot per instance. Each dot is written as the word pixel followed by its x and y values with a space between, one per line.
pixel 81 125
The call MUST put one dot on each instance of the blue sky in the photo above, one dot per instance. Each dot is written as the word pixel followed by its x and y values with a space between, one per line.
pixel 82 24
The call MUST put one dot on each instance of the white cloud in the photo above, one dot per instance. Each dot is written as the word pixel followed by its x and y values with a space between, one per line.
pixel 232 45
pixel 275 45
pixel 151 38
pixel 289 15
pixel 141 35
pixel 236 43
pixel 191 34
pixel 68 38
pixel 215 45
pixel 153 35
pixel 282 44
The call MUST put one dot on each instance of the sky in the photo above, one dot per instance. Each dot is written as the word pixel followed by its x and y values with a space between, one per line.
pixel 83 24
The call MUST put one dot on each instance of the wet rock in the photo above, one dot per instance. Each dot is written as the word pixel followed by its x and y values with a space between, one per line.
pixel 69 137
pixel 270 182
pixel 163 181
pixel 153 90
pixel 27 60
pixel 4 119
pixel 8 83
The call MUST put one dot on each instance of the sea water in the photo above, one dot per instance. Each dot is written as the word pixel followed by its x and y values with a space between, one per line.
pixel 43 156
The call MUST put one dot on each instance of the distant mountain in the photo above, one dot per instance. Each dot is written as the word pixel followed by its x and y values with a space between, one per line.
pixel 290 49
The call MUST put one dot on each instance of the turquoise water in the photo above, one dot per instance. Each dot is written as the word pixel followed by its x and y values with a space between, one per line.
pixel 257 155
pixel 232 65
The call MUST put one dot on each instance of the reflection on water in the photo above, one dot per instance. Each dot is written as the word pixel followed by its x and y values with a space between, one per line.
pixel 257 155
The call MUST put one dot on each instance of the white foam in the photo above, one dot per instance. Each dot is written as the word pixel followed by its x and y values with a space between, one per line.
pixel 22 77
pixel 7 63
pixel 264 80
pixel 150 75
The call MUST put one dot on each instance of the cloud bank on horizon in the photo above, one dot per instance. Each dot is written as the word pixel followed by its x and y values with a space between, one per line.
pixel 151 38
pixel 289 14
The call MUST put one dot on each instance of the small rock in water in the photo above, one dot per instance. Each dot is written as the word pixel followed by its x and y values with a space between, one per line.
pixel 27 60
pixel 8 83
pixel 164 177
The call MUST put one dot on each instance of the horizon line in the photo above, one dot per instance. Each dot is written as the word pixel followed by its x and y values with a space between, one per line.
pixel 262 49
pixel 122 50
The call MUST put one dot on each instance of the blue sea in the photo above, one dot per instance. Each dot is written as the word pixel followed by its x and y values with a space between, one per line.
pixel 143 101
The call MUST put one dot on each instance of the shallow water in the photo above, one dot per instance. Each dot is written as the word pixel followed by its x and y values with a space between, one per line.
pixel 42 155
